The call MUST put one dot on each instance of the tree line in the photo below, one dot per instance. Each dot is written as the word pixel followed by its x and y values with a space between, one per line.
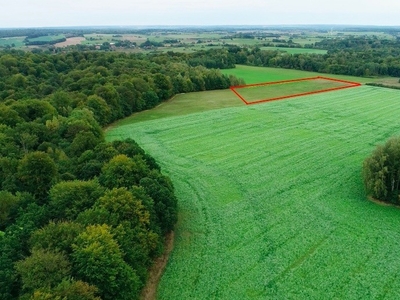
pixel 357 56
pixel 82 218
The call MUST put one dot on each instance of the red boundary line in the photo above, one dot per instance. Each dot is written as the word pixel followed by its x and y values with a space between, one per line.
pixel 351 84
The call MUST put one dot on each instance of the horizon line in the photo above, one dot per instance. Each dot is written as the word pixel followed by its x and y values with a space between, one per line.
pixel 196 26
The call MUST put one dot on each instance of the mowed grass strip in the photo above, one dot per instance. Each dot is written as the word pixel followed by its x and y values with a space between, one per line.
pixel 256 93
pixel 184 104
pixel 271 201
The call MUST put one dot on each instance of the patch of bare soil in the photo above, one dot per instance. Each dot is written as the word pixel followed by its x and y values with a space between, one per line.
pixel 149 292
pixel 71 41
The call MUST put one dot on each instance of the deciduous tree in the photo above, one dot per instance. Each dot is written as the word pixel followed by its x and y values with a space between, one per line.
pixel 98 261
pixel 37 172
pixel 381 171
pixel 43 269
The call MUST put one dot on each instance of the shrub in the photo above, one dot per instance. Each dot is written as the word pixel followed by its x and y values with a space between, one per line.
pixel 381 171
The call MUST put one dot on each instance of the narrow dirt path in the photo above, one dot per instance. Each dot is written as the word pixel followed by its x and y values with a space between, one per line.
pixel 149 292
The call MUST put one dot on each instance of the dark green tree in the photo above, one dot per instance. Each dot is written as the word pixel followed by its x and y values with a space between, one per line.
pixel 109 93
pixel 68 198
pixel 100 109
pixel 8 205
pixel 123 171
pixel 43 269
pixel 381 171
pixel 57 237
pixel 164 88
pixel 165 202
pixel 37 172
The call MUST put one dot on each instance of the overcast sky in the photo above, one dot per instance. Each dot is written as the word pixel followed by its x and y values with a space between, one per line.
pixel 44 13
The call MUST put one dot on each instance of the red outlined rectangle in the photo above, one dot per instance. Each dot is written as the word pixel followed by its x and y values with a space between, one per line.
pixel 348 84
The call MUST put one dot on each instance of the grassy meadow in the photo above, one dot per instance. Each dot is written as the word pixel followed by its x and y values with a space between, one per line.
pixel 258 93
pixel 271 200
pixel 254 75
pixel 184 104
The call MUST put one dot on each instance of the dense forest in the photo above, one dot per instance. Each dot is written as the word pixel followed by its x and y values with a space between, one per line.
pixel 82 218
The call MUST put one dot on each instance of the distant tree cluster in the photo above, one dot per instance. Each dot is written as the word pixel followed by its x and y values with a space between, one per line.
pixel 44 42
pixel 171 41
pixel 213 58
pixel 381 172
pixel 125 44
pixel 151 44
pixel 82 218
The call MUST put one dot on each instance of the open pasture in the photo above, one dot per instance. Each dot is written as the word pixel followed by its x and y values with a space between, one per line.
pixel 253 75
pixel 271 201
pixel 278 90
pixel 98 39
pixel 184 104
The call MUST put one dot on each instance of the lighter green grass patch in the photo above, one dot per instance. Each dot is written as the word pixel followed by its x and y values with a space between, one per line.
pixel 184 104
pixel 285 89
pixel 261 74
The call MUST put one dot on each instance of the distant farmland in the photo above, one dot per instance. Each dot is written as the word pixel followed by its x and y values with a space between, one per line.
pixel 16 41
pixel 296 50
pixel 71 41
pixel 44 40
pixel 271 201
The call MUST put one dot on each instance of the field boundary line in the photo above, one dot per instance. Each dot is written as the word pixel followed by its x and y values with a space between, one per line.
pixel 350 84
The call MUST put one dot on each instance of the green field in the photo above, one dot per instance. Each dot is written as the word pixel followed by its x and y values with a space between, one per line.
pixel 271 201
pixel 47 38
pixel 94 39
pixel 258 74
pixel 296 50
pixel 184 104
pixel 17 41
pixel 285 89
pixel 202 101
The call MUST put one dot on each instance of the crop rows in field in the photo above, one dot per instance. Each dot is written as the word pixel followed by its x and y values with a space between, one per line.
pixel 271 203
